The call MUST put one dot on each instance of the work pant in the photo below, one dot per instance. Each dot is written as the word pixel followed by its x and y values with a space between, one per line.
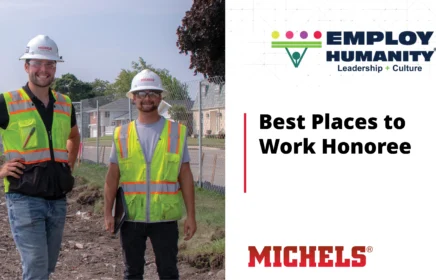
pixel 164 239
pixel 37 227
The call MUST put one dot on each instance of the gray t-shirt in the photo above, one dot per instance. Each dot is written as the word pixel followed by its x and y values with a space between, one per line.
pixel 148 135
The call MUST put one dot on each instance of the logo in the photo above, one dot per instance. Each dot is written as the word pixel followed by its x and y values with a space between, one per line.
pixel 308 256
pixel 363 51
pixel 45 48
pixel 147 80
pixel 295 56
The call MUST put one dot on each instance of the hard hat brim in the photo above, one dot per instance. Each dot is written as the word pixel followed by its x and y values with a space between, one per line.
pixel 42 57
pixel 131 92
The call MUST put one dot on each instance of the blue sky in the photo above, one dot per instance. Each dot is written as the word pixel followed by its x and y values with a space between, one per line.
pixel 96 38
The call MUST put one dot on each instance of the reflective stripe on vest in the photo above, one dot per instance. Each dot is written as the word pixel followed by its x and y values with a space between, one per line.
pixel 16 95
pixel 173 147
pixel 61 106
pixel 124 134
pixel 39 155
pixel 20 105
pixel 17 107
pixel 131 188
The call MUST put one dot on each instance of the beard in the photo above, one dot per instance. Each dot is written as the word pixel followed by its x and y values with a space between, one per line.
pixel 41 82
pixel 146 108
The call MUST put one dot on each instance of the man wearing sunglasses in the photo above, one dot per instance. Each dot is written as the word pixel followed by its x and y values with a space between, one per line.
pixel 41 142
pixel 150 162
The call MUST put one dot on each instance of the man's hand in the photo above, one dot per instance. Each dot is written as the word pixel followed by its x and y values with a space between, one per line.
pixel 109 222
pixel 190 228
pixel 71 165
pixel 12 168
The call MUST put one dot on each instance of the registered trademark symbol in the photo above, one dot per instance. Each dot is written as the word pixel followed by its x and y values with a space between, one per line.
pixel 369 249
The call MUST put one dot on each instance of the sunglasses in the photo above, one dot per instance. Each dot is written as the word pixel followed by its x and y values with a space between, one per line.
pixel 145 93
pixel 39 64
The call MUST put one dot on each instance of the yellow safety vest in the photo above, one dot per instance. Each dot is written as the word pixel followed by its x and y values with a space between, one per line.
pixel 26 125
pixel 151 189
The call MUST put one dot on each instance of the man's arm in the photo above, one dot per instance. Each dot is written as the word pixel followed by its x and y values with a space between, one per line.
pixel 110 191
pixel 186 181
pixel 4 115
pixel 110 188
pixel 73 144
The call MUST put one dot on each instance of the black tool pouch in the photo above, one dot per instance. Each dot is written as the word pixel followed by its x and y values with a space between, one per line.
pixel 46 179
pixel 35 181
pixel 64 180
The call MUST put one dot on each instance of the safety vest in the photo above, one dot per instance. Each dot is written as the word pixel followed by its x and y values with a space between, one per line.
pixel 26 136
pixel 151 189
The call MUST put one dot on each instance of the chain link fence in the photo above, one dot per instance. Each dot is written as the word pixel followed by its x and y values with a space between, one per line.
pixel 199 105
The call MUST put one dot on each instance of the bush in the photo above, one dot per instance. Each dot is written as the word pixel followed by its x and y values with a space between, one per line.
pixel 222 134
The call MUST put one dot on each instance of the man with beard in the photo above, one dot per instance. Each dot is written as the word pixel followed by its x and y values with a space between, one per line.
pixel 41 142
pixel 150 161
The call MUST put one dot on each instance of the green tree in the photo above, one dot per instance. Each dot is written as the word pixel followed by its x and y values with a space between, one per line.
pixel 203 34
pixel 101 88
pixel 75 88
pixel 178 113
pixel 123 82
pixel 176 89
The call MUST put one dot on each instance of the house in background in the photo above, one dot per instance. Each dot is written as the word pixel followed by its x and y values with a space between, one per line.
pixel 108 115
pixel 212 109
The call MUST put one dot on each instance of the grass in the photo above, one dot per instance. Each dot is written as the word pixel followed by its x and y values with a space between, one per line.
pixel 93 177
pixel 91 173
pixel 206 142
pixel 207 247
pixel 205 250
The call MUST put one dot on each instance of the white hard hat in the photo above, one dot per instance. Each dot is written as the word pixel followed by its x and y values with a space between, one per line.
pixel 42 47
pixel 146 79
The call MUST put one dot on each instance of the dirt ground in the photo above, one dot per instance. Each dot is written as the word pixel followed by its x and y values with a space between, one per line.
pixel 88 252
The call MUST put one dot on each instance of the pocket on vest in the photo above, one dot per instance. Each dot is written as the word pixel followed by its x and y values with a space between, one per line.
pixel 172 163
pixel 171 206
pixel 26 132
pixel 126 165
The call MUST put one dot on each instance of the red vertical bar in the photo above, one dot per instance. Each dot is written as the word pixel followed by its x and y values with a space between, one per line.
pixel 245 152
